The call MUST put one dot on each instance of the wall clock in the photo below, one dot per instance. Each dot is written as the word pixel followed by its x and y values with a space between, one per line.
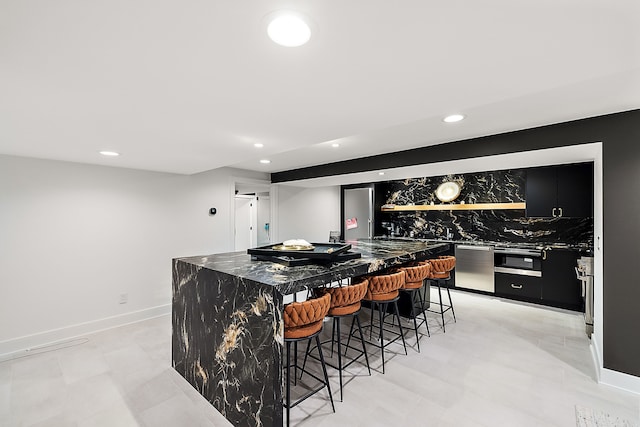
pixel 448 191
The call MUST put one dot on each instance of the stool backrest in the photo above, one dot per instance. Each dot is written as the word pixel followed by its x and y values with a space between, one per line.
pixel 345 295
pixel 298 314
pixel 442 264
pixel 417 272
pixel 385 283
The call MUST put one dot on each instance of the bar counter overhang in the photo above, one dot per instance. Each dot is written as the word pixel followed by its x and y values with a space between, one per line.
pixel 227 337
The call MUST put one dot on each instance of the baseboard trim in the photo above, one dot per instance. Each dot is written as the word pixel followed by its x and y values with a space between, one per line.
pixel 595 354
pixel 620 380
pixel 609 377
pixel 21 346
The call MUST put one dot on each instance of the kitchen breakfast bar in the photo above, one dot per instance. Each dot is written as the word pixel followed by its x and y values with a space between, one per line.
pixel 227 309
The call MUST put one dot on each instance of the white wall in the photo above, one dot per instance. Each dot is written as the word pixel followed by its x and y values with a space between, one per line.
pixel 305 213
pixel 74 237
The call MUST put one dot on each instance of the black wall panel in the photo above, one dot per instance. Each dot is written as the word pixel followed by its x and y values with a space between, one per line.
pixel 620 135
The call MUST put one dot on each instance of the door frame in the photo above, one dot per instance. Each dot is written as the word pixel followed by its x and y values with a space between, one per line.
pixel 373 206
pixel 259 186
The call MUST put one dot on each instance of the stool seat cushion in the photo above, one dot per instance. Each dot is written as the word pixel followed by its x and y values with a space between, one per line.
pixel 302 319
pixel 384 286
pixel 444 275
pixel 345 310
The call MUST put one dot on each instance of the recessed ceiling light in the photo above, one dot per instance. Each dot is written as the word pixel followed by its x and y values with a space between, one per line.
pixel 453 118
pixel 265 161
pixel 380 173
pixel 109 153
pixel 258 145
pixel 335 145
pixel 289 29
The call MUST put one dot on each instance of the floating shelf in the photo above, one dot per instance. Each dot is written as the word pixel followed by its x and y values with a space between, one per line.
pixel 455 207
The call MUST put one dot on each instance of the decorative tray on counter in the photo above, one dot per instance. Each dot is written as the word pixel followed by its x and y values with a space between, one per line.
pixel 315 253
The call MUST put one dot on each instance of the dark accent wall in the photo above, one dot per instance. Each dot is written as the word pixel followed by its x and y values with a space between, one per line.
pixel 620 135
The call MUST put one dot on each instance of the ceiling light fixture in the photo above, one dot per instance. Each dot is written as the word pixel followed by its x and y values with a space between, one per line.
pixel 265 161
pixel 109 153
pixel 289 29
pixel 453 118
pixel 258 145
pixel 380 173
pixel 335 145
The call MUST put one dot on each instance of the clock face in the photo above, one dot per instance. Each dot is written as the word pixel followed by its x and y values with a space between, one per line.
pixel 448 191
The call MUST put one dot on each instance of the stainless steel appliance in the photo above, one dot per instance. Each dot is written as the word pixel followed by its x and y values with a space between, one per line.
pixel 518 261
pixel 584 271
pixel 474 267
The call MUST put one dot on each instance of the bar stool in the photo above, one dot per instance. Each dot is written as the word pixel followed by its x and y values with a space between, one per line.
pixel 382 291
pixel 440 272
pixel 345 302
pixel 303 321
pixel 415 274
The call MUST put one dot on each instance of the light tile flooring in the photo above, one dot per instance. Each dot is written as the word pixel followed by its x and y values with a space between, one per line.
pixel 501 364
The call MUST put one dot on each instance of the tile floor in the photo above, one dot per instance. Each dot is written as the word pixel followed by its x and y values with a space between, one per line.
pixel 501 364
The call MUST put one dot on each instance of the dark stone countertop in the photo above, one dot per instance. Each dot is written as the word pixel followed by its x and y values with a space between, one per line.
pixel 584 247
pixel 376 254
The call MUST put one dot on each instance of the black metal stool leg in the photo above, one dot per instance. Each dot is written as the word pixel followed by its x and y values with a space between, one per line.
pixel 364 347
pixel 333 335
pixel 441 306
pixel 451 304
pixel 295 363
pixel 304 362
pixel 373 305
pixel 395 305
pixel 324 370
pixel 413 314
pixel 424 312
pixel 288 381
pixel 337 322
pixel 350 332
pixel 380 308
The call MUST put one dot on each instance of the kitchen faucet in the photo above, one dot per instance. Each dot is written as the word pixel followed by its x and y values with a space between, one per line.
pixel 449 234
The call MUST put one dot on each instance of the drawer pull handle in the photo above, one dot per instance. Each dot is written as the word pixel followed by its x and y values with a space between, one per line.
pixel 516 286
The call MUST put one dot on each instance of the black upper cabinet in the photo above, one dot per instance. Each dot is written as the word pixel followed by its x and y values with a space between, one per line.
pixel 560 191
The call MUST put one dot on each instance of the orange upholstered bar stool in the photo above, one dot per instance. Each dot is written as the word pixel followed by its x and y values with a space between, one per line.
pixel 384 290
pixel 345 302
pixel 415 275
pixel 440 273
pixel 303 321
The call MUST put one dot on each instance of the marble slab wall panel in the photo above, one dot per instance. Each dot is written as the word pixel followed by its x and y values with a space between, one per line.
pixel 228 341
pixel 505 186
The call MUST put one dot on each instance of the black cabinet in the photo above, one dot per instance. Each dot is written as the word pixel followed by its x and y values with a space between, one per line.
pixel 525 288
pixel 557 287
pixel 561 288
pixel 560 191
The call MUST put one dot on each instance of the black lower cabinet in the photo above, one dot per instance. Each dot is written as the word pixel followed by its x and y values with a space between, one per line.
pixel 524 288
pixel 561 285
pixel 558 286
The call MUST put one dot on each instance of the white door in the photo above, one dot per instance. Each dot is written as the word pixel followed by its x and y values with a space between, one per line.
pixel 245 218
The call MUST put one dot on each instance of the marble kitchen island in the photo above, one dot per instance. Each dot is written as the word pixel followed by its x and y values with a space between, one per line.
pixel 227 338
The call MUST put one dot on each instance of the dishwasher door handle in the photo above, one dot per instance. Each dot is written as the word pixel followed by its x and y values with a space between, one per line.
pixel 475 248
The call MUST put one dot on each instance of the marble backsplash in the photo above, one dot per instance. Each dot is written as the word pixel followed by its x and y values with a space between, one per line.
pixel 504 186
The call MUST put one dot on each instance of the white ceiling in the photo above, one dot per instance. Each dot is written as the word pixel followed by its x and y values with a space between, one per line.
pixel 190 86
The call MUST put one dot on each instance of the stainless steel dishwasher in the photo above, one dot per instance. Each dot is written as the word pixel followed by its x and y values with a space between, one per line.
pixel 474 267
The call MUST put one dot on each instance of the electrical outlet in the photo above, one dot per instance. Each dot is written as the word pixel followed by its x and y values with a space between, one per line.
pixel 124 298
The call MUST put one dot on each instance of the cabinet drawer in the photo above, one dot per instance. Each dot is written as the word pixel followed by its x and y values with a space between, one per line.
pixel 525 287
